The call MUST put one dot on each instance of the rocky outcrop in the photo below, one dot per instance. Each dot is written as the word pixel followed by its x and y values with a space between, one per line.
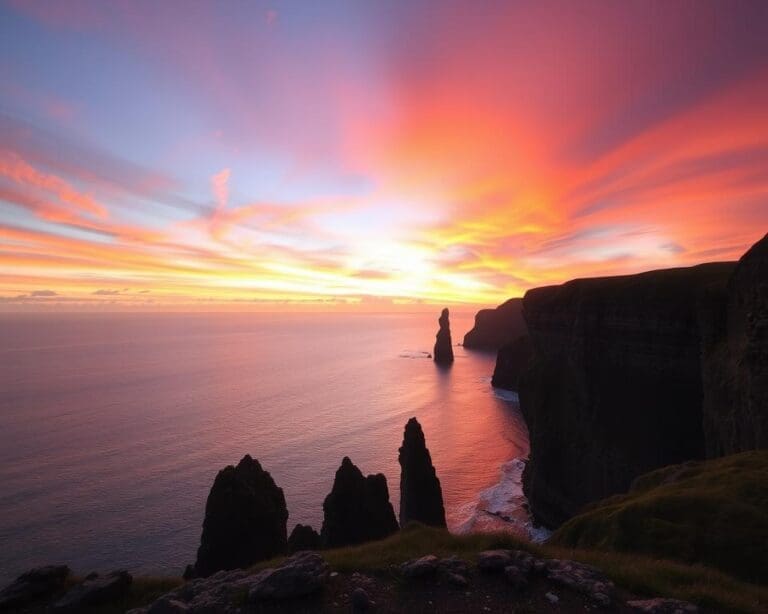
pixel 38 583
pixel 495 328
pixel 735 358
pixel 357 509
pixel 511 361
pixel 614 388
pixel 93 591
pixel 303 537
pixel 443 346
pixel 300 575
pixel 245 519
pixel 421 498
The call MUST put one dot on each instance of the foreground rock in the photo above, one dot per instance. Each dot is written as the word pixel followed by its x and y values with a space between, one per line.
pixel 495 328
pixel 663 606
pixel 94 590
pixel 303 537
pixel 421 498
pixel 443 344
pixel 36 584
pixel 245 519
pixel 301 574
pixel 511 362
pixel 357 509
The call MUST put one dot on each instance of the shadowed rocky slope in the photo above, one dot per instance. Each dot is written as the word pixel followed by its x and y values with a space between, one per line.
pixel 357 509
pixel 421 498
pixel 443 345
pixel 497 327
pixel 245 519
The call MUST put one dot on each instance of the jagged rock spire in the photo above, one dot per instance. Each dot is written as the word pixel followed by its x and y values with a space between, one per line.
pixel 357 509
pixel 443 345
pixel 245 519
pixel 421 498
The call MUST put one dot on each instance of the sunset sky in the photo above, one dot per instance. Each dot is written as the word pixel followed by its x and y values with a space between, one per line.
pixel 248 155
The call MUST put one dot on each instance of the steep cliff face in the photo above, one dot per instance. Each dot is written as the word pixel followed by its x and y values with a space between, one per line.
pixel 735 358
pixel 511 361
pixel 614 388
pixel 498 327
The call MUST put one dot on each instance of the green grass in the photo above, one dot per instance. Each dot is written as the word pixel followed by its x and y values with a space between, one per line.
pixel 713 513
pixel 143 591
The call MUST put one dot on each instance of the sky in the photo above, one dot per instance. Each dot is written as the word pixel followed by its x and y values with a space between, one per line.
pixel 371 155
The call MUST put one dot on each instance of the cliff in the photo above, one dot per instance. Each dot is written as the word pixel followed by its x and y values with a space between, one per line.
pixel 497 327
pixel 614 388
pixel 735 358
pixel 511 361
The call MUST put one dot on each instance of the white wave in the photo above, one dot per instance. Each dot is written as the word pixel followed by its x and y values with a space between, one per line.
pixel 503 507
pixel 506 395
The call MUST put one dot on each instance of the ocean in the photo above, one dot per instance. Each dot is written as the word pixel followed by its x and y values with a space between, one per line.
pixel 113 426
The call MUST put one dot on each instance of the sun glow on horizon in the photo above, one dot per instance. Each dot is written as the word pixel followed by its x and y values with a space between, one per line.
pixel 369 157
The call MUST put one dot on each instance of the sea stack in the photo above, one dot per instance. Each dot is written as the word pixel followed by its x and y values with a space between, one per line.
pixel 421 498
pixel 303 537
pixel 443 346
pixel 357 509
pixel 245 520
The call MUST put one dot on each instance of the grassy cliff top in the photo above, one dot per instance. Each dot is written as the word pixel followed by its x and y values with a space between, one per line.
pixel 713 513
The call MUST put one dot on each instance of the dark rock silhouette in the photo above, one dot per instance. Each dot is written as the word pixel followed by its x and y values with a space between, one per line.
pixel 637 372
pixel 35 584
pixel 93 591
pixel 614 389
pixel 245 519
pixel 511 361
pixel 735 358
pixel 421 498
pixel 357 509
pixel 443 345
pixel 495 328
pixel 303 537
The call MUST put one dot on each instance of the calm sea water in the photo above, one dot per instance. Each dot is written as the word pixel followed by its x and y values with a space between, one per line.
pixel 112 427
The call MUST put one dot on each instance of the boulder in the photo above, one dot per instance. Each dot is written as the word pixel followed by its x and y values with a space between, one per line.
pixel 361 601
pixel 663 606
pixel 494 560
pixel 245 519
pixel 32 585
pixel 443 345
pixel 357 509
pixel 303 537
pixel 421 498
pixel 95 590
pixel 424 567
pixel 301 574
